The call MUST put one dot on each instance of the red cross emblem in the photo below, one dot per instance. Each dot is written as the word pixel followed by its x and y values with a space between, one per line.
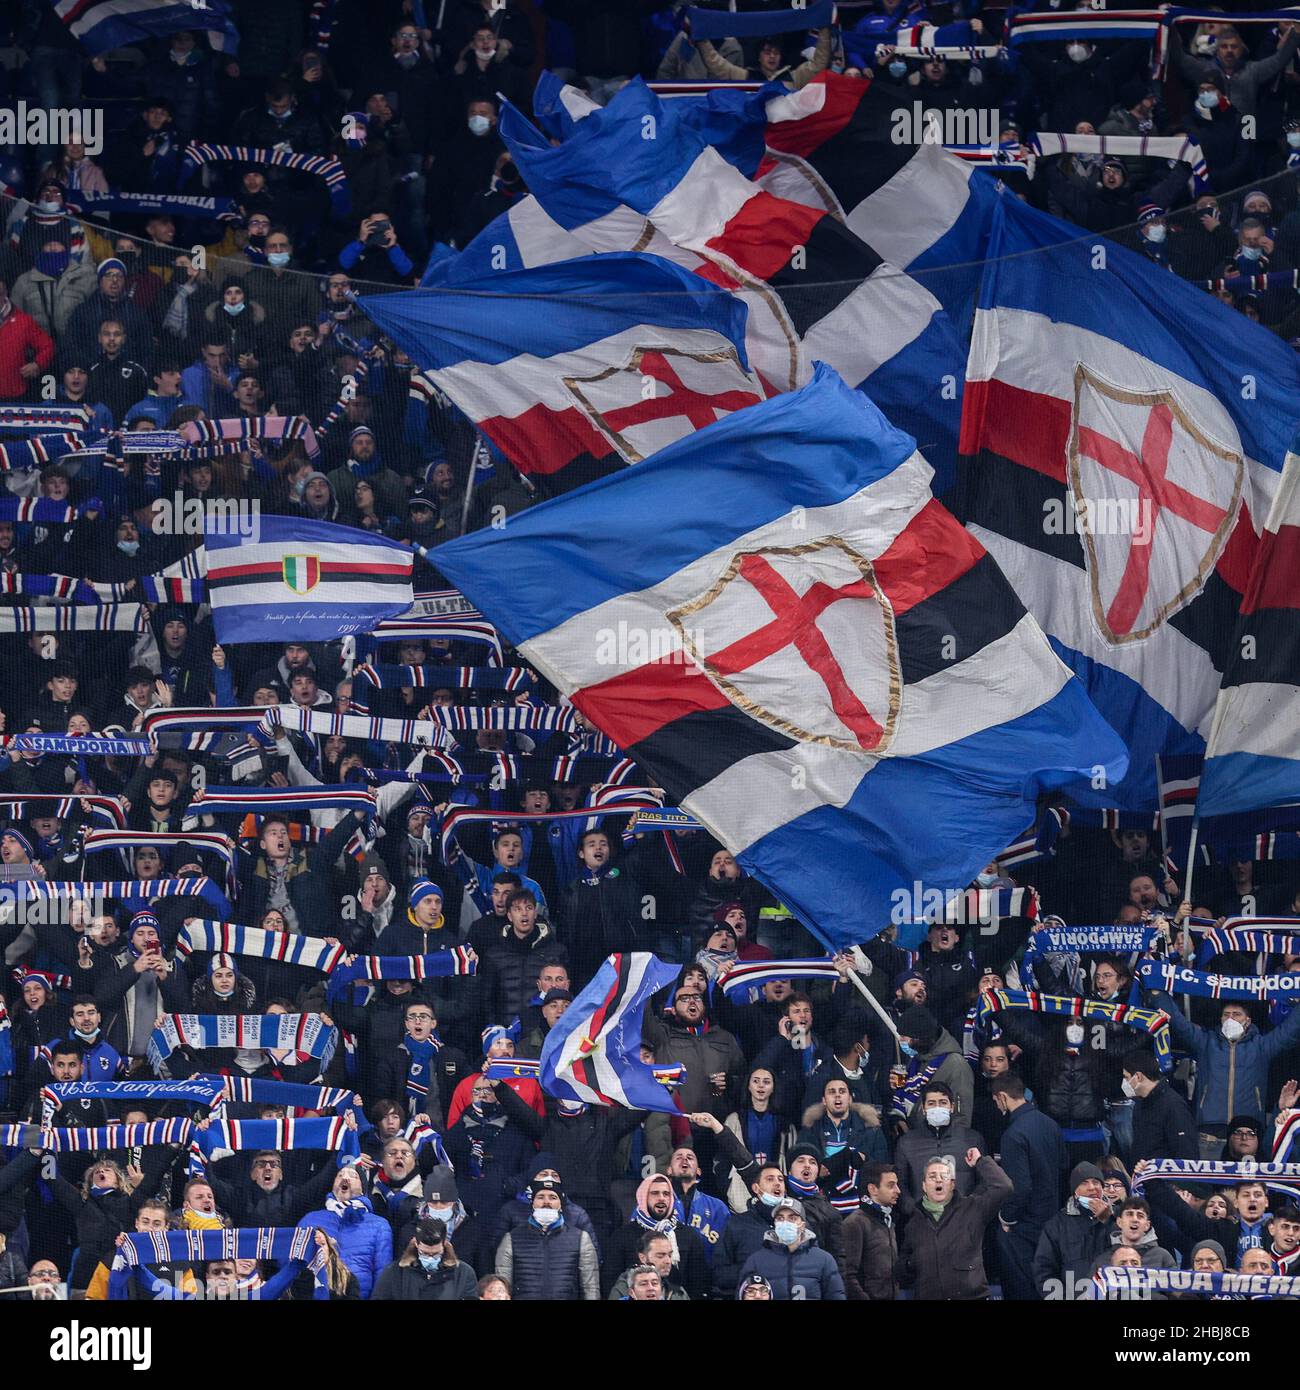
pixel 660 395
pixel 802 638
pixel 1156 498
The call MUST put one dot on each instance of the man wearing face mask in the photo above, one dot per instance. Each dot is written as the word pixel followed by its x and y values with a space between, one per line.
pixel 429 1271
pixel 54 287
pixel 792 1262
pixel 278 123
pixel 1257 255
pixel 545 1259
pixel 487 1146
pixel 463 176
pixel 1204 241
pixel 935 1132
pixel 1075 1238
pixel 1242 78
pixel 1162 1122
pixel 1152 230
pixel 1232 1063
pixel 1082 83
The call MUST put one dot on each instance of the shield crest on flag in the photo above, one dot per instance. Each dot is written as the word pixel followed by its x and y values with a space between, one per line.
pixel 804 639
pixel 301 572
pixel 1155 496
pixel 661 394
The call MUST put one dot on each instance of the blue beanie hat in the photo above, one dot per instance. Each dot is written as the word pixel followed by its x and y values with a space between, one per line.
pixel 424 888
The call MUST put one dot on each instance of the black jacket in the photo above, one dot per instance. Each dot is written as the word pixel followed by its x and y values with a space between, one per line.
pixel 599 916
pixel 1033 1157
pixel 414 1284
pixel 1068 1248
pixel 1163 1126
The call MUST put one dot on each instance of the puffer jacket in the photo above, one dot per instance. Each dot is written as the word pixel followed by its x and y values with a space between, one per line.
pixel 555 1265
pixel 1231 1077
pixel 806 1274
pixel 365 1240
pixel 510 968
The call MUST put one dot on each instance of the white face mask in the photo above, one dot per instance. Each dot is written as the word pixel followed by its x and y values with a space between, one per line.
pixel 1077 52
pixel 938 1116
pixel 1293 139
pixel 1232 1029
pixel 546 1216
pixel 986 880
pixel 1156 233
pixel 1208 100
pixel 1127 1087
pixel 479 125
pixel 1074 1034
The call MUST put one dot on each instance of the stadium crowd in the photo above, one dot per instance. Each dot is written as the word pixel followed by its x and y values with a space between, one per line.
pixel 821 1151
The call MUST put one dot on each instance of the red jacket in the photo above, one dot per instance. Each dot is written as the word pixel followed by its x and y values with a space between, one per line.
pixel 18 333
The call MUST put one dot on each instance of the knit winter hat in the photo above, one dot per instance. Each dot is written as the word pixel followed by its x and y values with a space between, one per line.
pixel 109 263
pixel 424 888
pixel 919 1024
pixel 1085 1172
pixel 720 912
pixel 1149 212
pixel 22 839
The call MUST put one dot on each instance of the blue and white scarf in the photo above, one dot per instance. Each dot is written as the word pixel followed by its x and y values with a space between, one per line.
pixel 1181 979
pixel 435 965
pixel 1111 1282
pixel 227 938
pixel 1277 1177
pixel 308 1035
pixel 279 1243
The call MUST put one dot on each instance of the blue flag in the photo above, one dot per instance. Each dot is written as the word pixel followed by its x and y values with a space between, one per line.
pixel 308 580
pixel 814 659
pixel 593 1053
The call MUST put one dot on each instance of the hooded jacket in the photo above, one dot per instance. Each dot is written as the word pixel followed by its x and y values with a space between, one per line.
pixel 690 1260
pixel 51 299
pixel 844 1147
pixel 804 1274
pixel 452 1281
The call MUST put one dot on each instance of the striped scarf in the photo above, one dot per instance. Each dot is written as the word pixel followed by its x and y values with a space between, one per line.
pixel 1286 1134
pixel 605 801
pixel 200 1090
pixel 419 1068
pixel 348 392
pixel 306 1035
pixel 106 809
pixel 158 588
pixel 515 1069
pixel 1179 979
pixel 6 1043
pixel 37 509
pixel 1259 941
pixel 108 617
pixel 200 841
pixel 387 677
pixel 260 800
pixel 228 938
pixel 1154 1022
pixel 458 960
pixel 1277 1177
pixel 317 721
pixel 284 429
pixel 62 586
pixel 163 720
pixel 743 982
pixel 84 745
pixel 906 1097
pixel 255 1090
pixel 332 1134
pixel 452 628
pixel 128 889
pixel 98 1140
pixel 19 455
pixel 336 181
pixel 1180 149
pixel 281 1244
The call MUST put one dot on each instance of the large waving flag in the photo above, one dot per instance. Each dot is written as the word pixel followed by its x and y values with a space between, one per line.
pixel 520 238
pixel 102 25
pixel 815 660
pixel 1124 438
pixel 1253 757
pixel 593 1053
pixel 577 369
pixel 307 580
pixel 817 292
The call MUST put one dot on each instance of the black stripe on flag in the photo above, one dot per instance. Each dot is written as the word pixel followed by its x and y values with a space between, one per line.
pixel 1210 620
pixel 1275 657
pixel 834 264
pixel 977 608
pixel 1020 503
pixel 691 751
pixel 333 580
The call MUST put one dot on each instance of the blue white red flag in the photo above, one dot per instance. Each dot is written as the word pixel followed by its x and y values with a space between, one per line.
pixel 102 25
pixel 831 675
pixel 578 369
pixel 1123 440
pixel 1253 757
pixel 592 1054
pixel 304 579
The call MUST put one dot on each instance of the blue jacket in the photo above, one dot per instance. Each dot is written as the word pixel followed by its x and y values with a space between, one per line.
pixel 365 1240
pixel 805 1274
pixel 1232 1078
pixel 1033 1157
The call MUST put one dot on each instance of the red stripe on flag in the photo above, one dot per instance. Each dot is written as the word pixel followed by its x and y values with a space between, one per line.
pixel 1275 581
pixel 1026 427
pixel 930 552
pixel 345 568
pixel 764 234
pixel 632 706
pixel 809 132
pixel 542 440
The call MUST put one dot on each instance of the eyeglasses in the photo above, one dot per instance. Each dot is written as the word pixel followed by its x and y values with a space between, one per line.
pixel 419 1018
pixel 1244 1134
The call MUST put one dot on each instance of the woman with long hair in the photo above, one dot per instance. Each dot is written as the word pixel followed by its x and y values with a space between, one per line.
pixel 757 1123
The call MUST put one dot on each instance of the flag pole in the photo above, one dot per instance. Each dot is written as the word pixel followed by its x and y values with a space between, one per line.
pixel 856 980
